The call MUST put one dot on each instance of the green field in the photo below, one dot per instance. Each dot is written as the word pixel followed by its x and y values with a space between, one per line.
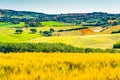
pixel 53 23
pixel 44 24
pixel 8 35
pixel 10 25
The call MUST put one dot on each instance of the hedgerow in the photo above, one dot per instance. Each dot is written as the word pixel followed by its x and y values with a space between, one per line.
pixel 49 47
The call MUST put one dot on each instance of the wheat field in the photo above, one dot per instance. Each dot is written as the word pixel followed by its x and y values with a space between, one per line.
pixel 59 66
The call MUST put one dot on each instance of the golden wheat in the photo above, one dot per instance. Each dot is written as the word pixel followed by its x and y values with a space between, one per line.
pixel 59 66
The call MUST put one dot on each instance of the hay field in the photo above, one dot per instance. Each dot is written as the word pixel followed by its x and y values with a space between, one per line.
pixel 87 41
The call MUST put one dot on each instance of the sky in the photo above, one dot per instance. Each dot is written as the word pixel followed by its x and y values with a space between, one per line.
pixel 62 6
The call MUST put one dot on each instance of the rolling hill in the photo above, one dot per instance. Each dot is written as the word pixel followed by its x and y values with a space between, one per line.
pixel 86 19
pixel 87 41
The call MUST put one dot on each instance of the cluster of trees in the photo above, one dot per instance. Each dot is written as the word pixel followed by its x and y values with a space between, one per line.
pixel 33 23
pixel 48 47
pixel 85 19
pixel 47 33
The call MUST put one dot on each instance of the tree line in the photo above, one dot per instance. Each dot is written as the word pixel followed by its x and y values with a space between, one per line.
pixel 49 47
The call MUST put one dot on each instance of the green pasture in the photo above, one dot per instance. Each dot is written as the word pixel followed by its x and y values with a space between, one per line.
pixel 10 25
pixel 9 35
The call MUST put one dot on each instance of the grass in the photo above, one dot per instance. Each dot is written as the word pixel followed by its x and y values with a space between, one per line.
pixel 87 41
pixel 53 23
pixel 9 35
pixel 10 25
pixel 59 66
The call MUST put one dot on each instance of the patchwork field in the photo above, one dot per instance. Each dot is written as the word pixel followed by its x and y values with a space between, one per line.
pixel 79 38
pixel 57 66
pixel 89 41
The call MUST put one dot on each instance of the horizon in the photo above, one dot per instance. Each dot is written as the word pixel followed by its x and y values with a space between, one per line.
pixel 60 13
pixel 62 7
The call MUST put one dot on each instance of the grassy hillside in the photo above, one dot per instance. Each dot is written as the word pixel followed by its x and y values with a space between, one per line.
pixel 74 38
pixel 8 35
pixel 10 25
pixel 57 66
pixel 90 41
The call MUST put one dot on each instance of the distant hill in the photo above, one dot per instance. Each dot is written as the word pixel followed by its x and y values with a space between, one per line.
pixel 86 19
pixel 20 14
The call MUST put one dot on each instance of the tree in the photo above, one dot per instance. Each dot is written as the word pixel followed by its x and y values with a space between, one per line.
pixel 46 33
pixel 52 30
pixel 33 31
pixel 19 31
